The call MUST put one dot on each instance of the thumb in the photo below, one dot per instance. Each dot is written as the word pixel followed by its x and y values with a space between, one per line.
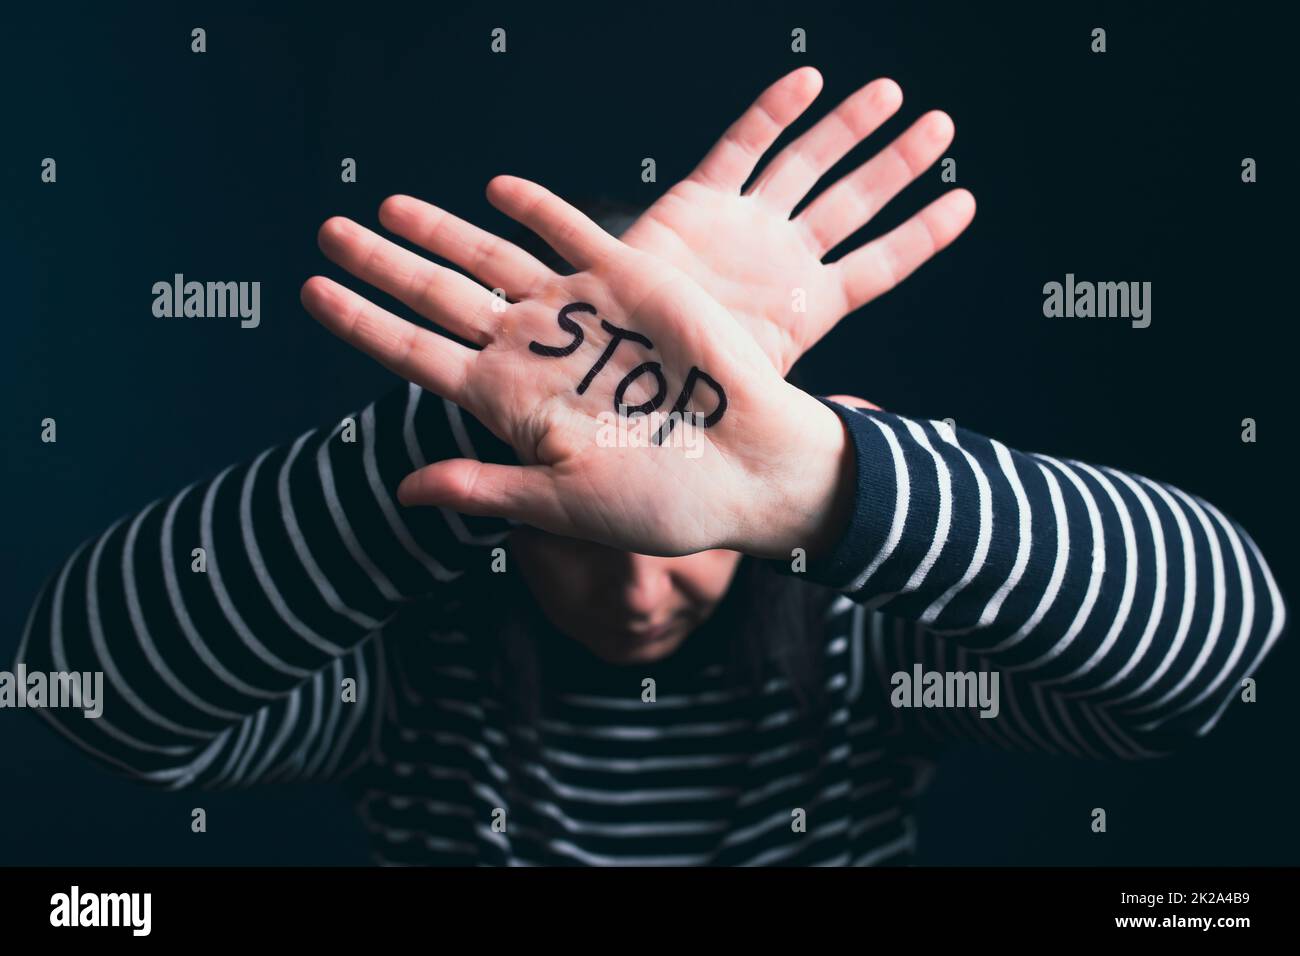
pixel 518 492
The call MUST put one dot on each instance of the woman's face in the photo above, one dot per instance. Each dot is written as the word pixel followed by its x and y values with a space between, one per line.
pixel 624 608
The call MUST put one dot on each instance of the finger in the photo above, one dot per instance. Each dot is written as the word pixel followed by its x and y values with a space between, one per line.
pixel 576 238
pixel 493 261
pixel 847 206
pixel 519 492
pixel 883 263
pixel 442 295
pixel 854 402
pixel 795 170
pixel 428 359
pixel 733 158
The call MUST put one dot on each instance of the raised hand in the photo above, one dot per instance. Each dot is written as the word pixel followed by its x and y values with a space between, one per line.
pixel 747 252
pixel 576 373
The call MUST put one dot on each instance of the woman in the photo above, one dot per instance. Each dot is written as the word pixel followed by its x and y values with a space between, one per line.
pixel 520 643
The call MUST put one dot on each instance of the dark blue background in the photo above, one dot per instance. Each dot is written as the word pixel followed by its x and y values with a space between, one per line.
pixel 1122 166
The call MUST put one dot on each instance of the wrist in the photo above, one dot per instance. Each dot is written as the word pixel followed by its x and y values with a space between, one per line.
pixel 809 498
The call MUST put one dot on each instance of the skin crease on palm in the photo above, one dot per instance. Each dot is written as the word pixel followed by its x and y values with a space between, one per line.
pixel 729 260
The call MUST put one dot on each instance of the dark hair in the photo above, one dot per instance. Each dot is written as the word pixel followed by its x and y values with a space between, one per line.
pixel 771 621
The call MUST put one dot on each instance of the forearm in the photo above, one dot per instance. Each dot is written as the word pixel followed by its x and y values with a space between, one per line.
pixel 1087 581
pixel 205 607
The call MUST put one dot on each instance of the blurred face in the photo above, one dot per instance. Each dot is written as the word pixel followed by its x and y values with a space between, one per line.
pixel 625 608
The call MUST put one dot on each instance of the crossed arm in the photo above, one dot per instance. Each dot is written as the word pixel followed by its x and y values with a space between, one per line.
pixel 702 291
pixel 1138 603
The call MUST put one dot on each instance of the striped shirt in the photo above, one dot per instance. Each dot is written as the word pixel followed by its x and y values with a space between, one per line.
pixel 288 620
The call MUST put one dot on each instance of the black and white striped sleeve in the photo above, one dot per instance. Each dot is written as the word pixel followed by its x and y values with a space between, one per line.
pixel 226 619
pixel 1123 613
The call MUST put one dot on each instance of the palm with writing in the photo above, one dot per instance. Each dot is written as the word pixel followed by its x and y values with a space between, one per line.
pixel 626 335
pixel 747 251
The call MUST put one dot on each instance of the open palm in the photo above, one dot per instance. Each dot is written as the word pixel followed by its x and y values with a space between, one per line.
pixel 565 360
pixel 766 267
